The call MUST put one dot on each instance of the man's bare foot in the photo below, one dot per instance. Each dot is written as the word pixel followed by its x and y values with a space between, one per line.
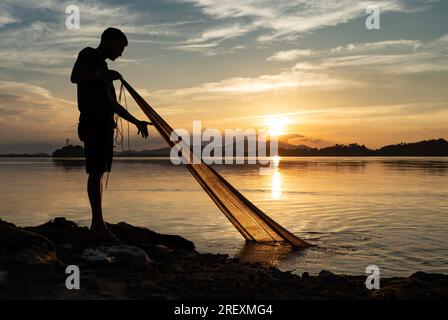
pixel 103 232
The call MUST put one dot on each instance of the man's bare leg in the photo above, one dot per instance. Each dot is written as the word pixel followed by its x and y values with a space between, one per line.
pixel 95 192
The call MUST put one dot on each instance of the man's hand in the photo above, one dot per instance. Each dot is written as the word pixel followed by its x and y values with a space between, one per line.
pixel 142 127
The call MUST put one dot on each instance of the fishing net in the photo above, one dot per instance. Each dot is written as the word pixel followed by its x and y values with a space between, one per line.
pixel 250 221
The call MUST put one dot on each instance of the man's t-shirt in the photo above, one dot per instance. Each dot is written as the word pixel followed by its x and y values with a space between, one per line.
pixel 94 97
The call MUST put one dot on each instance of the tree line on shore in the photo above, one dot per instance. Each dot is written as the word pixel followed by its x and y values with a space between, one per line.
pixel 425 148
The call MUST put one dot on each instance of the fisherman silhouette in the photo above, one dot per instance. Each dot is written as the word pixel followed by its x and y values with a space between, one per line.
pixel 97 103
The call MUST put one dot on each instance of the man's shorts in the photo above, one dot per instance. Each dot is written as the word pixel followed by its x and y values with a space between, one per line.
pixel 98 147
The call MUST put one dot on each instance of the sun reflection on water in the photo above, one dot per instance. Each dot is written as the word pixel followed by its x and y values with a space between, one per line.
pixel 276 180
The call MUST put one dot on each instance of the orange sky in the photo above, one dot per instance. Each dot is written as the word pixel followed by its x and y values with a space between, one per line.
pixel 235 65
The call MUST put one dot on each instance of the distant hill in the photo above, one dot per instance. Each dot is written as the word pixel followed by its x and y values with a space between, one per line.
pixel 25 155
pixel 426 148
pixel 71 151
pixel 162 152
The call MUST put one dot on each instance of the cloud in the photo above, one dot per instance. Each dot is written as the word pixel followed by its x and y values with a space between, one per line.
pixel 389 46
pixel 41 42
pixel 390 64
pixel 196 46
pixel 36 45
pixel 207 41
pixel 220 33
pixel 401 56
pixel 6 18
pixel 32 113
pixel 47 61
pixel 292 136
pixel 377 46
pixel 278 20
pixel 437 46
pixel 282 19
pixel 297 139
pixel 290 55
pixel 291 79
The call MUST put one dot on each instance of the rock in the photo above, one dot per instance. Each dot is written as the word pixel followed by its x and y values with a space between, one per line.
pixel 67 234
pixel 19 245
pixel 125 271
pixel 35 255
pixel 164 248
pixel 95 256
pixel 3 276
pixel 126 252
pixel 419 286
pixel 324 274
pixel 121 253
pixel 67 246
pixel 143 237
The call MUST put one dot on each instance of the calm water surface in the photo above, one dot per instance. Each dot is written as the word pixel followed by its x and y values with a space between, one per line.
pixel 391 212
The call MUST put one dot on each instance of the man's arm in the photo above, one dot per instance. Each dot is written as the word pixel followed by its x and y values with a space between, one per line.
pixel 122 112
pixel 142 126
pixel 118 108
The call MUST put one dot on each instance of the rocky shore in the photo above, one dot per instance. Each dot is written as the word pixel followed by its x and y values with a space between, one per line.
pixel 148 265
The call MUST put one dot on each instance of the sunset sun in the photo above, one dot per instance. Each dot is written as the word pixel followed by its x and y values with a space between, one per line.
pixel 277 126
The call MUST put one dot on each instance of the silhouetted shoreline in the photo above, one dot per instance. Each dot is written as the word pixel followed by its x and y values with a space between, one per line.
pixel 149 265
pixel 425 148
pixel 25 155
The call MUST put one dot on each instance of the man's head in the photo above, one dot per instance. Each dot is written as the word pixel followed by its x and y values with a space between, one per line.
pixel 113 42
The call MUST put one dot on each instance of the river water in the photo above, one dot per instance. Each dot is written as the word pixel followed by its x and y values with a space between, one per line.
pixel 389 212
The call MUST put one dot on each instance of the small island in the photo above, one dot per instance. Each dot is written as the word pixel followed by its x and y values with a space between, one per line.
pixel 69 151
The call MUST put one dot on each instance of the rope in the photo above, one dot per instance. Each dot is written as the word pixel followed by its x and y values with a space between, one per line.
pixel 119 137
